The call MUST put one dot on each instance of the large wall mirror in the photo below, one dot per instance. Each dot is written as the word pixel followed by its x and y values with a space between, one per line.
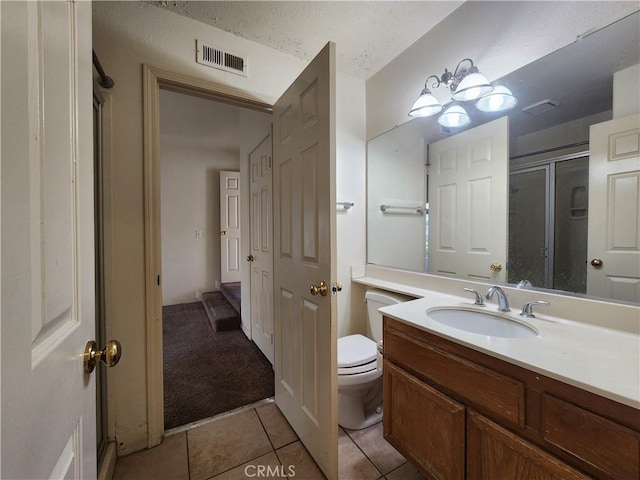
pixel 535 212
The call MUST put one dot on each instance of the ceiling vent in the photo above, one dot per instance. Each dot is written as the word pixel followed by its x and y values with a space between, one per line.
pixel 220 59
pixel 540 107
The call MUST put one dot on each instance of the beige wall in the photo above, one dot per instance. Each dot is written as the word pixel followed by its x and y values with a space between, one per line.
pixel 198 139
pixel 127 35
pixel 499 37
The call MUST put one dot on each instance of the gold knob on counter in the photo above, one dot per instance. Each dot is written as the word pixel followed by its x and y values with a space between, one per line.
pixel 495 266
pixel 596 262
pixel 109 355
pixel 319 289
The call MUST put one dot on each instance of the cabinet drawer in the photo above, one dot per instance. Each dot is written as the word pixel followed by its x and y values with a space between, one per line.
pixel 486 390
pixel 610 448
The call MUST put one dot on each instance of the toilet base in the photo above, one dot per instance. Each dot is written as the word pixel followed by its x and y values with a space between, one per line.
pixel 358 409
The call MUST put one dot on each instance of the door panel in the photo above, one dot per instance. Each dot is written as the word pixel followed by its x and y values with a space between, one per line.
pixel 468 202
pixel 48 304
pixel 229 226
pixel 614 209
pixel 304 240
pixel 261 263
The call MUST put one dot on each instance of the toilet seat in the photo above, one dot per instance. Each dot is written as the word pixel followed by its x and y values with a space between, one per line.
pixel 355 350
pixel 367 367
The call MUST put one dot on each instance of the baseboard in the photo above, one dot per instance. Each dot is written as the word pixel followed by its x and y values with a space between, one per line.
pixel 108 466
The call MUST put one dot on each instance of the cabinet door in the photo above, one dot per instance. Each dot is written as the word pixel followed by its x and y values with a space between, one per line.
pixel 493 452
pixel 423 424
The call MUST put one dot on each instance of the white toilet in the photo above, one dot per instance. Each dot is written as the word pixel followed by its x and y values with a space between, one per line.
pixel 359 377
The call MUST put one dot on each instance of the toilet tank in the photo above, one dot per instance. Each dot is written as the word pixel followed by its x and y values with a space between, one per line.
pixel 376 299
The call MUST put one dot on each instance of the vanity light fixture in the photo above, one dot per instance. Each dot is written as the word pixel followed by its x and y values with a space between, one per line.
pixel 466 83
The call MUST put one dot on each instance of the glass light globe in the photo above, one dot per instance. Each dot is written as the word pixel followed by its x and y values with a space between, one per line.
pixel 472 86
pixel 500 99
pixel 426 105
pixel 454 116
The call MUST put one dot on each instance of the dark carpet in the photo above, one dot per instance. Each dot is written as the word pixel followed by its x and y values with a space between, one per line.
pixel 206 372
pixel 232 292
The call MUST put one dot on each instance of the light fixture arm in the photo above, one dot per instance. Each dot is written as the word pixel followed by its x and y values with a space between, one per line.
pixel 435 84
pixel 460 72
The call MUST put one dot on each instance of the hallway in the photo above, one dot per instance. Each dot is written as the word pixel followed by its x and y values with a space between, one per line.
pixel 235 446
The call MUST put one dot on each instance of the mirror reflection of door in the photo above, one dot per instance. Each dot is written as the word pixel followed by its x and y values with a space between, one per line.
pixel 613 268
pixel 468 202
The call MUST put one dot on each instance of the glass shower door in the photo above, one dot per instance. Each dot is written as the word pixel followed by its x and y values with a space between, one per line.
pixel 528 226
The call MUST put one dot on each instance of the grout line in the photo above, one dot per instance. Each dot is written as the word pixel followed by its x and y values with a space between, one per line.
pixel 186 439
pixel 359 448
pixel 264 429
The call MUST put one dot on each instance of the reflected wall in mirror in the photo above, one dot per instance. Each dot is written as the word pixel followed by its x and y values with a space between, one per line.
pixel 567 210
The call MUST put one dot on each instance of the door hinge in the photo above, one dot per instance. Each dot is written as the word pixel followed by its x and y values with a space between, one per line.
pixel 272 339
pixel 335 288
pixel 158 280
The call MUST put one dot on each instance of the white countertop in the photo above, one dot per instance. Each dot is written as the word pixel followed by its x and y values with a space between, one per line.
pixel 597 359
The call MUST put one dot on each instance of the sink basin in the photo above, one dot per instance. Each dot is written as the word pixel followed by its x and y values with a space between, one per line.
pixel 483 323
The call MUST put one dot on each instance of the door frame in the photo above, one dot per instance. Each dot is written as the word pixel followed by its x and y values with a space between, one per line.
pixel 153 79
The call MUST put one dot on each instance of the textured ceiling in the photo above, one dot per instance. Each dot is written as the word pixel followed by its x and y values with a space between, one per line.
pixel 368 35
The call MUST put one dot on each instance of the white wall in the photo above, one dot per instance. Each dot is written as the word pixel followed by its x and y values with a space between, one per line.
pixel 198 139
pixel 350 187
pixel 626 94
pixel 127 35
pixel 499 37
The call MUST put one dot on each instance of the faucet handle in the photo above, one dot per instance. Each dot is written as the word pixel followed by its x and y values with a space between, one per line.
pixel 479 301
pixel 527 310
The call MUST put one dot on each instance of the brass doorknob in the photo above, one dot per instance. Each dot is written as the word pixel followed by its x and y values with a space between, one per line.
pixel 495 267
pixel 223 232
pixel 250 258
pixel 109 355
pixel 319 289
pixel 596 262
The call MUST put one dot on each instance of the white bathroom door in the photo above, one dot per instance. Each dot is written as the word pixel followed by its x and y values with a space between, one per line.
pixel 613 245
pixel 48 409
pixel 261 257
pixel 305 255
pixel 469 202
pixel 229 226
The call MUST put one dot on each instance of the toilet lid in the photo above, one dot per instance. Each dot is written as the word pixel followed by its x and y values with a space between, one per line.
pixel 355 350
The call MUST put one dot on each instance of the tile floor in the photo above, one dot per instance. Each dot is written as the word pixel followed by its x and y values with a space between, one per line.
pixel 235 446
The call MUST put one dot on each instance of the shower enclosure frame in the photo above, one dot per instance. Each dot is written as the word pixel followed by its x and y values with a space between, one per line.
pixel 548 165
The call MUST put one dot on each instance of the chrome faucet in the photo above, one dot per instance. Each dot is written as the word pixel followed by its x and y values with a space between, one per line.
pixel 503 303
pixel 527 310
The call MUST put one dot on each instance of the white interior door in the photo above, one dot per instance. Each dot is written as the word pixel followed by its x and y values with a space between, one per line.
pixel 614 210
pixel 48 313
pixel 229 226
pixel 261 257
pixel 468 202
pixel 304 246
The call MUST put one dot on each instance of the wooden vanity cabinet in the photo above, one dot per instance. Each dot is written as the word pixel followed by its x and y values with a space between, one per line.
pixel 457 413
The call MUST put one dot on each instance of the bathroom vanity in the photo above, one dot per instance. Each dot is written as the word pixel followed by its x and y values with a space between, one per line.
pixel 457 412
